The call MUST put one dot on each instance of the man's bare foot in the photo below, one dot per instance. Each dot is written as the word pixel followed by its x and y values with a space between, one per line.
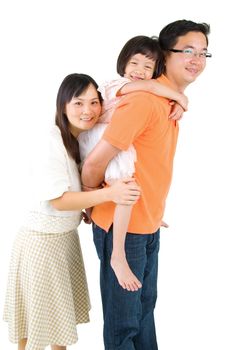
pixel 125 276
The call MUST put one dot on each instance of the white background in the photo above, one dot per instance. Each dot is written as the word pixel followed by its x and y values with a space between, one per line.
pixel 43 41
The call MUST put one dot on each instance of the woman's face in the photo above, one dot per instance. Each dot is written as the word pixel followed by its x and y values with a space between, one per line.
pixel 83 111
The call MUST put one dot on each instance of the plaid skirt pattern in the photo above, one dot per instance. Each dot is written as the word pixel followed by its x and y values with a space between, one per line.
pixel 47 293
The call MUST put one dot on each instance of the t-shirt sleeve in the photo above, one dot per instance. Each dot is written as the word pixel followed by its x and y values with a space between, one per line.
pixel 130 119
pixel 51 171
pixel 109 89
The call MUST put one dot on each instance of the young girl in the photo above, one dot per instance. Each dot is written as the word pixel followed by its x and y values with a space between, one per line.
pixel 139 62
pixel 47 292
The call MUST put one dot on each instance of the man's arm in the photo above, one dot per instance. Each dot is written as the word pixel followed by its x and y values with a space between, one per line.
pixel 129 120
pixel 93 170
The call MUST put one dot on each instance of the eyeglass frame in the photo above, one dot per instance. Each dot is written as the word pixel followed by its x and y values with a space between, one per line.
pixel 205 54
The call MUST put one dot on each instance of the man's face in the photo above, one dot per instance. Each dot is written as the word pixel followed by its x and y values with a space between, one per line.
pixel 182 68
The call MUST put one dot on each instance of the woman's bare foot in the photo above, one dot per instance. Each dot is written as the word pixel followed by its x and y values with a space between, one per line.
pixel 125 276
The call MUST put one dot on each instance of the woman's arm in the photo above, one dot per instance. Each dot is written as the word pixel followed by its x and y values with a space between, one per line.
pixel 125 192
pixel 156 88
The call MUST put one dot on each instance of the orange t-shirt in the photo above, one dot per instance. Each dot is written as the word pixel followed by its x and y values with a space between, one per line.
pixel 141 119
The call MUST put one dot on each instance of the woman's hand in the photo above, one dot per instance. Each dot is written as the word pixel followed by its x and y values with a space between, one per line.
pixel 124 192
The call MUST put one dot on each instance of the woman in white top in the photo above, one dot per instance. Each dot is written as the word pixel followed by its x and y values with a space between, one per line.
pixel 47 293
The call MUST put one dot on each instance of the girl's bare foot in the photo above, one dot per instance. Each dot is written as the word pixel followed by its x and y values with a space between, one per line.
pixel 125 276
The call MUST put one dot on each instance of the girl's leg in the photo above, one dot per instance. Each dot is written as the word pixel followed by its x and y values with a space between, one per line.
pixel 119 264
pixel 58 347
pixel 22 344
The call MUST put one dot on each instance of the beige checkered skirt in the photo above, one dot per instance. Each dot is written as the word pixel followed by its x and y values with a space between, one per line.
pixel 47 293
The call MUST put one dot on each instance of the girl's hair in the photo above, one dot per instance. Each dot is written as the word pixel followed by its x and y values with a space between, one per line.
pixel 73 85
pixel 148 46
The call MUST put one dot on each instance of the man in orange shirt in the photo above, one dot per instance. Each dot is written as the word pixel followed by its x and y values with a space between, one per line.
pixel 142 119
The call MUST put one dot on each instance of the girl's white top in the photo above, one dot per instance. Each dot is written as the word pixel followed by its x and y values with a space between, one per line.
pixel 109 90
pixel 122 165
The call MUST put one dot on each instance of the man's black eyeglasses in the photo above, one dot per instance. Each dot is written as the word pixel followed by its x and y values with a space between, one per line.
pixel 190 53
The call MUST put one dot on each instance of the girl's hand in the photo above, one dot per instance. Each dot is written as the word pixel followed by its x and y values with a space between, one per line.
pixel 176 112
pixel 124 192
pixel 183 101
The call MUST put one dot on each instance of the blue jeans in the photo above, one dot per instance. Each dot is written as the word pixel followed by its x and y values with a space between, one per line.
pixel 128 316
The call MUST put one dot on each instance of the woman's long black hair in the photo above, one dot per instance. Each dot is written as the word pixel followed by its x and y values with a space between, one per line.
pixel 73 85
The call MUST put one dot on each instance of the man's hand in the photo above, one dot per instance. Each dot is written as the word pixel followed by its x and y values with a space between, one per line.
pixel 86 216
pixel 164 224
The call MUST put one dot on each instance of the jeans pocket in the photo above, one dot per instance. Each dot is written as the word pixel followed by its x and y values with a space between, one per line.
pixel 98 239
pixel 135 246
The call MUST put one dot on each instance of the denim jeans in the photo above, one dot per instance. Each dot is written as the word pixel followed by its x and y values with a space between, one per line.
pixel 129 316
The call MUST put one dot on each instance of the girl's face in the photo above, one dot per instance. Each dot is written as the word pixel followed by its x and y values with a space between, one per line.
pixel 139 67
pixel 83 111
